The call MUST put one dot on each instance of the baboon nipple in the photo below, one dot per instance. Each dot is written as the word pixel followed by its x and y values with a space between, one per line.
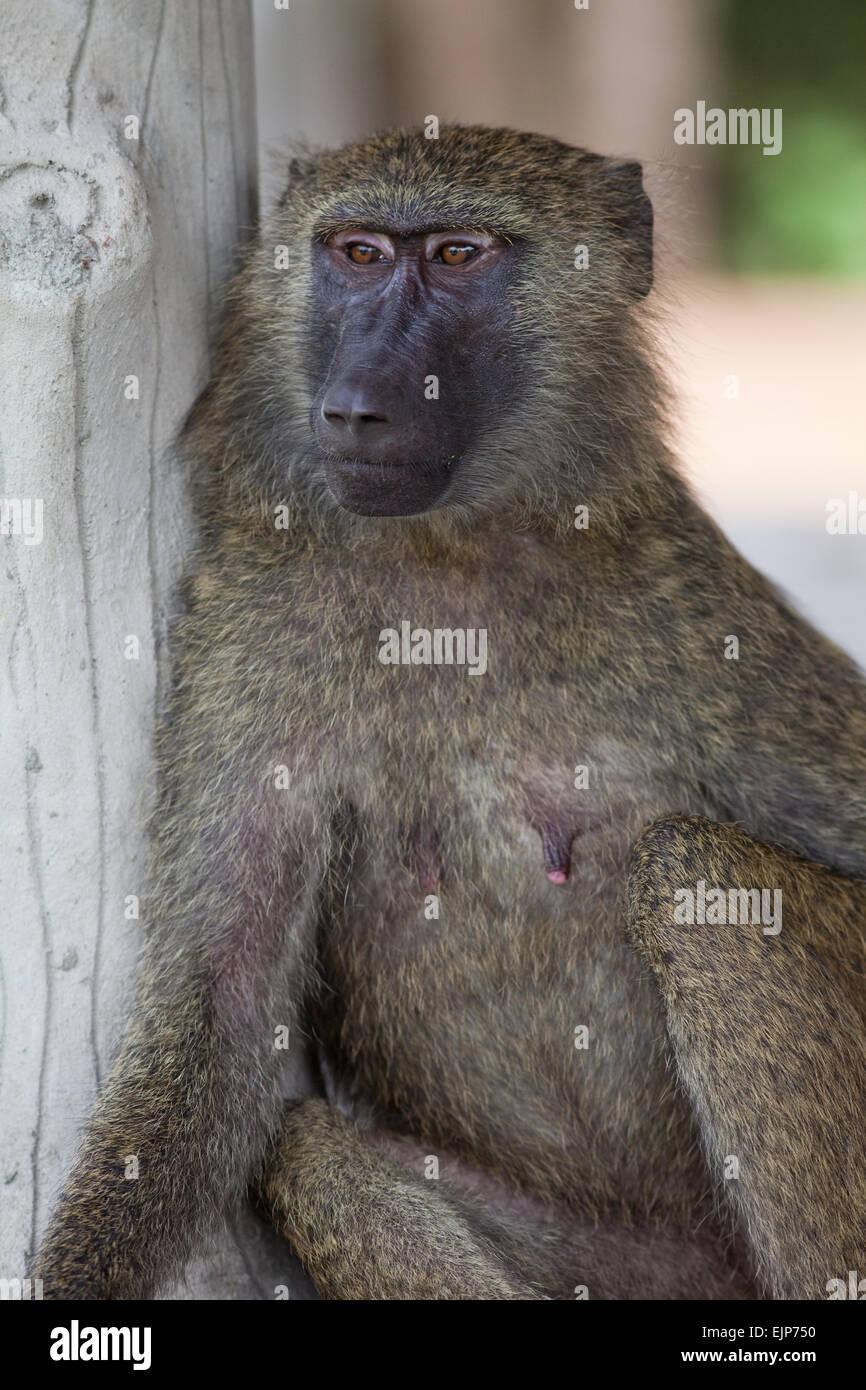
pixel 424 856
pixel 556 844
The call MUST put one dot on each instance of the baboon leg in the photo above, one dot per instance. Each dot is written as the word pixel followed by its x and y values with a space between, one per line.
pixel 570 1256
pixel 164 1156
pixel 352 1203
pixel 364 1227
pixel 194 1097
pixel 768 1032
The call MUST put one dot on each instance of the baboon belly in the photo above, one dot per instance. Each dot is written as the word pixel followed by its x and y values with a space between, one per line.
pixel 508 1019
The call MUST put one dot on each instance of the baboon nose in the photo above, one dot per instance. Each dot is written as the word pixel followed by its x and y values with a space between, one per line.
pixel 353 410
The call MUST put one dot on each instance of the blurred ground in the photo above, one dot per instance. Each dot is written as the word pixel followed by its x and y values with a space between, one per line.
pixel 766 463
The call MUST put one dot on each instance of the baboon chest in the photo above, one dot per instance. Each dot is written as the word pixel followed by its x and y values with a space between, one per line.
pixel 479 979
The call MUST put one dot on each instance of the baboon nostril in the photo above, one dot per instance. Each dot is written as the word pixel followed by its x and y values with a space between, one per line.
pixel 350 410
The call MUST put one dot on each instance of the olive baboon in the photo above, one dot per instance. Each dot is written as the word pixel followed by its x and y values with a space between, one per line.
pixel 466 889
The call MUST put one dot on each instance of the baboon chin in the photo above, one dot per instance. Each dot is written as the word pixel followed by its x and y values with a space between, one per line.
pixel 464 897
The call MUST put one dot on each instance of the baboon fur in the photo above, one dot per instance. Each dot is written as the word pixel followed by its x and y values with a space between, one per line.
pixel 559 1166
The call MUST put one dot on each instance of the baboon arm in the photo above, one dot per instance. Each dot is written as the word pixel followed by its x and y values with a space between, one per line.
pixel 767 1033
pixel 195 1093
pixel 783 741
pixel 363 1226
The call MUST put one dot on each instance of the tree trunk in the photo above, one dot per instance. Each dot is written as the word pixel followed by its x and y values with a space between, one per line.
pixel 127 180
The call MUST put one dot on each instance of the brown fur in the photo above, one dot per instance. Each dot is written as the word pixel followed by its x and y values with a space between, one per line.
pixel 767 1032
pixel 455 1037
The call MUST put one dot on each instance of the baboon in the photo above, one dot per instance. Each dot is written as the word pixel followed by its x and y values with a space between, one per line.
pixel 438 404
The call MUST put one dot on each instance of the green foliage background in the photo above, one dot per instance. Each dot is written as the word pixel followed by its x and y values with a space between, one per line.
pixel 803 210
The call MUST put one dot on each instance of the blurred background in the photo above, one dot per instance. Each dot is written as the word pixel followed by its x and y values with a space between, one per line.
pixel 763 258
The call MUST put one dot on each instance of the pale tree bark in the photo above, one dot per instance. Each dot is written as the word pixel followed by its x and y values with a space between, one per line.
pixel 127 180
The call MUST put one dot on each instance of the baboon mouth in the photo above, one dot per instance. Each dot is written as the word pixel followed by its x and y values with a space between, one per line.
pixel 373 464
pixel 386 487
pixel 424 467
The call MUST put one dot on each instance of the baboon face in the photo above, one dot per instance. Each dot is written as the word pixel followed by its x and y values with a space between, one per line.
pixel 414 359
pixel 434 340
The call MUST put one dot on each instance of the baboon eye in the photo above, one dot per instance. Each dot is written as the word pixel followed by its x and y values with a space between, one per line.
pixel 455 254
pixel 362 254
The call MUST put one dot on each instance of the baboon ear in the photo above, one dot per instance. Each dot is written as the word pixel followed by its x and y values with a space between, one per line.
pixel 299 168
pixel 630 216
pixel 289 166
pixel 302 160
